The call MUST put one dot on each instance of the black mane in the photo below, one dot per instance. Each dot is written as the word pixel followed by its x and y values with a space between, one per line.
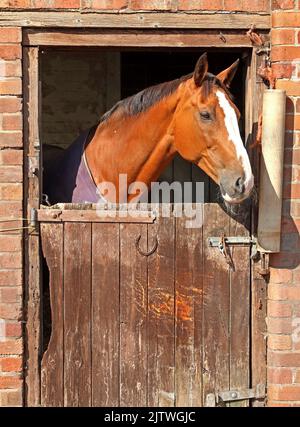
pixel 145 99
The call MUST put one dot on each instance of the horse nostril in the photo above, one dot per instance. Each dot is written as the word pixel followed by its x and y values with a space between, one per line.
pixel 239 185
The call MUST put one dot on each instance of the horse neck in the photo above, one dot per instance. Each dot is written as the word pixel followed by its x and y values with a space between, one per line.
pixel 139 146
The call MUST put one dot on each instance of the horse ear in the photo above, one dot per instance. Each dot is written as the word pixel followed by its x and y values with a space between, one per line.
pixel 200 69
pixel 227 75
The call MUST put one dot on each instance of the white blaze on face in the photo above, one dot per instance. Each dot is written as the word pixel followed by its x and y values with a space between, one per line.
pixel 232 127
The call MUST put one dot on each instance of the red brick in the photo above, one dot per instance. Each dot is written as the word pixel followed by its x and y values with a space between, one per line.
pixel 279 342
pixel 283 359
pixel 291 191
pixel 200 5
pixel 280 325
pixel 66 4
pixel 246 5
pixel 291 88
pixel 16 4
pixel 11 174
pixel 292 139
pixel 11 364
pixel 11 294
pixel 12 346
pixel 280 376
pixel 9 260
pixel 285 53
pixel 283 4
pixel 279 309
pixel 11 69
pixel 10 51
pixel 292 156
pixel 286 19
pixel 150 4
pixel 280 275
pixel 11 87
pixel 282 36
pixel 286 392
pixel 11 191
pixel 11 311
pixel 11 139
pixel 10 104
pixel 11 397
pixel 105 4
pixel 292 122
pixel 10 157
pixel 10 244
pixel 10 209
pixel 291 174
pixel 282 71
pixel 298 105
pixel 13 329
pixel 10 382
pixel 10 278
pixel 10 35
pixel 276 404
pixel 12 121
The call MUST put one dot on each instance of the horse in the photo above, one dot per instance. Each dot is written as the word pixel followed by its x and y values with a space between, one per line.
pixel 194 116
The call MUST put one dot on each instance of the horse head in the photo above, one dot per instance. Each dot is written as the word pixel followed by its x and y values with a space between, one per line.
pixel 206 131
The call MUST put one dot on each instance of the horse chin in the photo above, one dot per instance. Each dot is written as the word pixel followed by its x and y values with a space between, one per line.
pixel 234 200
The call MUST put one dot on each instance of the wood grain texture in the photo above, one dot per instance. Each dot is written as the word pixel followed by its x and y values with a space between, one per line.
pixel 134 20
pixel 150 38
pixel 105 315
pixel 188 314
pixel 92 215
pixel 216 306
pixel 77 314
pixel 32 291
pixel 240 290
pixel 133 316
pixel 161 311
pixel 52 369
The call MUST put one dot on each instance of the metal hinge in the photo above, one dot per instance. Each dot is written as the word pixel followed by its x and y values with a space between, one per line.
pixel 222 241
pixel 213 399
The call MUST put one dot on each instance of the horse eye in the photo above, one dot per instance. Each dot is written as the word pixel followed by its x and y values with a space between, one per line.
pixel 205 115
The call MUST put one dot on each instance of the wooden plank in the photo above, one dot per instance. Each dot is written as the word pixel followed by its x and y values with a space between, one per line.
pixel 57 215
pixel 115 38
pixel 133 317
pixel 32 293
pixel 105 315
pixel 52 369
pixel 259 285
pixel 77 314
pixel 240 288
pixel 134 20
pixel 216 305
pixel 188 315
pixel 161 347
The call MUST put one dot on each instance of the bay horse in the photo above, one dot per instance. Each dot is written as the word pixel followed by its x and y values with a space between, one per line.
pixel 194 116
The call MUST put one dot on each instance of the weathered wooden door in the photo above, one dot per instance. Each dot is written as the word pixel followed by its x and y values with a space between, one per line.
pixel 128 329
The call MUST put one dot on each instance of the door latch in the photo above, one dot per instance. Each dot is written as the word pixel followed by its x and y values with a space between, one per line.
pixel 213 399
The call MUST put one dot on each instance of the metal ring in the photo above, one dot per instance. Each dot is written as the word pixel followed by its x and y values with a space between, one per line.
pixel 140 251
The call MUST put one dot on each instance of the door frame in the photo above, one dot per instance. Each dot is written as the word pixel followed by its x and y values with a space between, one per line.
pixel 34 40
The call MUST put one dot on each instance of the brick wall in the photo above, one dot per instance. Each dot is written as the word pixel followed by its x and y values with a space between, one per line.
pixel 11 194
pixel 146 5
pixel 284 286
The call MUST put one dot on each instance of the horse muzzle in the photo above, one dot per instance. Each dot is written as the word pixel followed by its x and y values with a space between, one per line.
pixel 236 188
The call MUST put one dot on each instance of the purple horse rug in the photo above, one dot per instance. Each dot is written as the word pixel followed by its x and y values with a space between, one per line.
pixel 68 180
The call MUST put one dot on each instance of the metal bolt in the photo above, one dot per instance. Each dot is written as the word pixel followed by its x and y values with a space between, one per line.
pixel 234 395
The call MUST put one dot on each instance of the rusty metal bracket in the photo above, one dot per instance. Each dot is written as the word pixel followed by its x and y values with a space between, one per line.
pixel 258 392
